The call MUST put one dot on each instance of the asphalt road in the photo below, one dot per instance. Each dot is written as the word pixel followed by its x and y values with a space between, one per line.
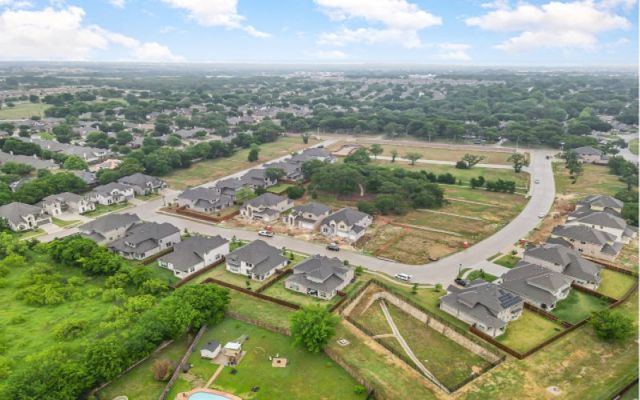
pixel 442 271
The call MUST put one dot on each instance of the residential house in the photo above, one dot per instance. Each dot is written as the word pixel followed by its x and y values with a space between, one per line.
pixel 33 161
pixel 591 155
pixel 606 221
pixel 145 240
pixel 143 184
pixel 589 241
pixel 487 306
pixel 307 216
pixel 266 207
pixel 601 203
pixel 193 254
pixel 320 277
pixel 566 261
pixel 292 170
pixel 111 193
pixel 257 178
pixel 314 153
pixel 56 204
pixel 204 200
pixel 109 227
pixel 347 223
pixel 88 177
pixel 537 285
pixel 256 260
pixel 229 187
pixel 23 217
pixel 91 155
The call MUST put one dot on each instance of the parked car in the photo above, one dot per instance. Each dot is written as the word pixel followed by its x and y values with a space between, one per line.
pixel 333 247
pixel 542 215
pixel 265 233
pixel 403 277
pixel 461 282
pixel 537 180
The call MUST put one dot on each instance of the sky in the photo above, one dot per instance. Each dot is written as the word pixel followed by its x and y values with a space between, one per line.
pixel 441 32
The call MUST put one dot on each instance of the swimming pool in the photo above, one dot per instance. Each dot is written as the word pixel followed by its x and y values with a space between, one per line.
pixel 206 396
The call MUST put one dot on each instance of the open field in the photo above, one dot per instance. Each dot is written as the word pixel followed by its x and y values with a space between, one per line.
pixel 578 306
pixel 447 360
pixel 528 331
pixel 439 153
pixel 23 111
pixel 139 383
pixel 614 284
pixel 308 375
pixel 580 365
pixel 210 170
pixel 595 179
pixel 628 257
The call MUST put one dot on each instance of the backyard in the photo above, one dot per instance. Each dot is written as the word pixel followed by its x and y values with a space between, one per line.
pixel 615 284
pixel 578 306
pixel 528 331
pixel 307 376
pixel 595 179
pixel 211 170
pixel 278 291
pixel 23 111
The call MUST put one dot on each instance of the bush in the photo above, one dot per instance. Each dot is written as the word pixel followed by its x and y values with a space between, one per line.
pixel 295 192
pixel 461 165
pixel 367 207
pixel 161 370
pixel 70 329
pixel 359 389
pixel 612 325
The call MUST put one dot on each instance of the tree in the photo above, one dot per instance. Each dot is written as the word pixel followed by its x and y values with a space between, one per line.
pixel 253 154
pixel 394 154
pixel 313 327
pixel 295 192
pixel 360 156
pixel 161 370
pixel 413 157
pixel 244 194
pixel 274 174
pixel 305 138
pixel 75 163
pixel 471 159
pixel 376 150
pixel 519 160
pixel 575 169
pixel 612 325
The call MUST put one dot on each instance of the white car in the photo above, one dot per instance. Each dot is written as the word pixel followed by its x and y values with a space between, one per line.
pixel 265 233
pixel 537 180
pixel 403 276
pixel 542 215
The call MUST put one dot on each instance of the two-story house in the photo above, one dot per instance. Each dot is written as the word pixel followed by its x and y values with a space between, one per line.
pixel 589 241
pixel 347 223
pixel 591 155
pixel 143 184
pixel 257 178
pixel 204 200
pixel 537 285
pixel 111 193
pixel 256 260
pixel 23 217
pixel 320 277
pixel 193 254
pixel 146 239
pixel 266 207
pixel 487 306
pixel 56 204
pixel 307 216
pixel 565 261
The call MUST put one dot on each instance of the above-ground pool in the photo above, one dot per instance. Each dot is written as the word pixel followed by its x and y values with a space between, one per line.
pixel 206 396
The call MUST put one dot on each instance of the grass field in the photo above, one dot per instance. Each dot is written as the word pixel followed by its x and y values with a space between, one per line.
pixel 30 234
pixel 280 188
pixel 101 210
pixel 308 375
pixel 447 360
pixel 278 291
pixel 595 179
pixel 633 146
pixel 259 310
pixel 528 331
pixel 480 274
pixel 614 284
pixel 23 111
pixel 210 170
pixel 580 364
pixel 64 223
pixel 508 261
pixel 578 306
pixel 628 257
pixel 139 383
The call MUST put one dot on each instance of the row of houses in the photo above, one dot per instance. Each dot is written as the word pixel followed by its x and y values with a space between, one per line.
pixel 23 217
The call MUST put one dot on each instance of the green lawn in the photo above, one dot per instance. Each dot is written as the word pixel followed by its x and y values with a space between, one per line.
pixel 614 284
pixel 30 234
pixel 308 375
pixel 450 362
pixel 373 319
pixel 147 197
pixel 595 179
pixel 528 331
pixel 139 383
pixel 101 210
pixel 633 147
pixel 209 170
pixel 262 310
pixel 508 261
pixel 64 223
pixel 280 188
pixel 480 274
pixel 578 306
pixel 23 111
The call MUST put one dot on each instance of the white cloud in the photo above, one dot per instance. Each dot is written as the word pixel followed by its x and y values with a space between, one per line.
pixel 117 3
pixel 59 34
pixel 453 51
pixel 400 21
pixel 15 3
pixel 551 25
pixel 222 13
pixel 330 54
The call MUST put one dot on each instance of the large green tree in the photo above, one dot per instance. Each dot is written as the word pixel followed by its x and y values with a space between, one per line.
pixel 313 327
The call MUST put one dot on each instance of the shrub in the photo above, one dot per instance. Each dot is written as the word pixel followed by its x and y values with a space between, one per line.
pixel 70 329
pixel 161 370
pixel 612 325
pixel 295 192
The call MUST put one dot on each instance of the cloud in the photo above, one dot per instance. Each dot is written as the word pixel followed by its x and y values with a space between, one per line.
pixel 551 25
pixel 453 51
pixel 222 13
pixel 400 21
pixel 59 34
pixel 117 3
pixel 330 54
pixel 15 3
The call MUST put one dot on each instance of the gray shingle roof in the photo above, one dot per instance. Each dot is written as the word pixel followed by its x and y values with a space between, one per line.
pixel 534 282
pixel 583 233
pixel 13 212
pixel 141 180
pixel 258 253
pixel 588 150
pixel 602 201
pixel 320 273
pixel 191 251
pixel 602 218
pixel 313 208
pixel 349 216
pixel 109 187
pixel 266 200
pixel 109 223
pixel 570 260
pixel 143 237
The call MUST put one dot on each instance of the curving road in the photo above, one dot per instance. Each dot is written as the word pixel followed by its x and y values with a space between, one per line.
pixel 442 271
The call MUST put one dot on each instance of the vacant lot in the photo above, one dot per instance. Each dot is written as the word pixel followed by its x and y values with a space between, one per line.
pixel 578 306
pixel 139 383
pixel 210 170
pixel 614 284
pixel 528 331
pixel 23 111
pixel 308 375
pixel 595 179
pixel 628 257
pixel 440 153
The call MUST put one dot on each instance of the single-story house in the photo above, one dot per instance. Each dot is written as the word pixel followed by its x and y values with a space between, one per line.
pixel 590 154
pixel 193 254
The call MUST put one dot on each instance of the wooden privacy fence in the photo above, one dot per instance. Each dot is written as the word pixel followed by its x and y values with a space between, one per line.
pixel 198 273
pixel 252 293
pixel 183 360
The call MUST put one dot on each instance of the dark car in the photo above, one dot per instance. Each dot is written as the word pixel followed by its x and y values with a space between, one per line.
pixel 461 282
pixel 333 247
